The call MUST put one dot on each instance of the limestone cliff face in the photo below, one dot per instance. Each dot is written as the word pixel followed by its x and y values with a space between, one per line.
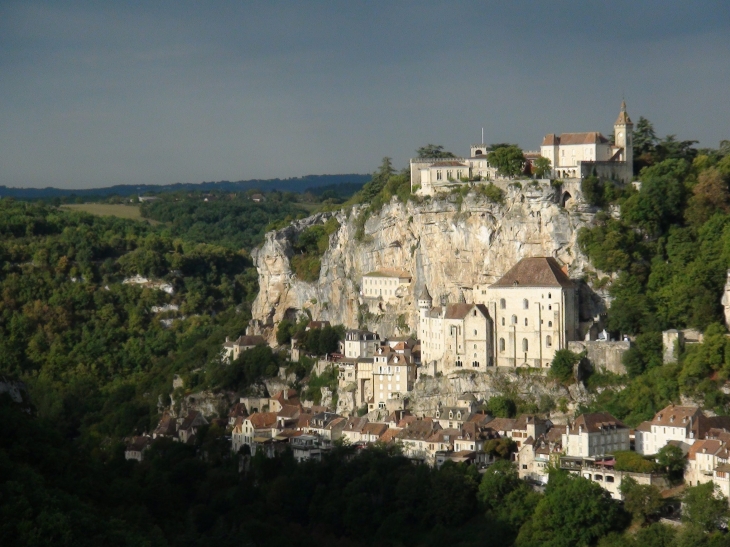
pixel 446 243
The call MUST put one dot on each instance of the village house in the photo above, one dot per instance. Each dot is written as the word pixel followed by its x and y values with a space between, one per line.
pixel 359 343
pixel 595 434
pixel 393 376
pixel 232 350
pixel 135 449
pixel 189 426
pixel 307 447
pixel 414 436
pixel 167 427
pixel 452 417
pixel 259 425
pixel 328 426
pixel 528 426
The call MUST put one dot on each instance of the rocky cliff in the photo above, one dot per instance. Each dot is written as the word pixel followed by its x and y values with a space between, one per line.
pixel 449 243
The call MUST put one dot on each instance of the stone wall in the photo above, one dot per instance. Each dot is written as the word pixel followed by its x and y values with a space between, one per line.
pixel 604 356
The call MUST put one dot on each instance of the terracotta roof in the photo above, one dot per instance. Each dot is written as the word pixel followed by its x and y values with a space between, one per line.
pixel 459 311
pixel 373 428
pixel 448 164
pixel 502 424
pixel 524 419
pixel 592 137
pixel 644 426
pixel 390 434
pixel 677 416
pixel 263 419
pixel 555 434
pixel 448 435
pixel 420 429
pixel 594 422
pixel 355 424
pixel 535 272
pixel 701 447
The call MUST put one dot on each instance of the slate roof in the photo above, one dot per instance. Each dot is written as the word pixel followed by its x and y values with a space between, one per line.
pixel 535 272
pixel 459 311
pixel 591 137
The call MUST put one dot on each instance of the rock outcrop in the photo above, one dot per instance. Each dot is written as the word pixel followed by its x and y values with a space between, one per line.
pixel 449 243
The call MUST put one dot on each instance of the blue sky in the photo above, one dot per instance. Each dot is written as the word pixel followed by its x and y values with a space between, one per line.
pixel 101 93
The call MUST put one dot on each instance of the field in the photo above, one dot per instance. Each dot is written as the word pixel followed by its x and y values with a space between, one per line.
pixel 107 209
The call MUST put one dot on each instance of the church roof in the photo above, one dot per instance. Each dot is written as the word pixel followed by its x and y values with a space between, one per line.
pixel 592 137
pixel 623 116
pixel 535 272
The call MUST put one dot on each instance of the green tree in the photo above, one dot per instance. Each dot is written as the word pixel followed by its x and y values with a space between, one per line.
pixel 502 407
pixel 433 151
pixel 672 460
pixel 641 500
pixel 563 366
pixel 541 167
pixel 508 159
pixel 704 507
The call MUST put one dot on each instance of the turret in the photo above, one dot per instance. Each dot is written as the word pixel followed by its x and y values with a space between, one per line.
pixel 424 302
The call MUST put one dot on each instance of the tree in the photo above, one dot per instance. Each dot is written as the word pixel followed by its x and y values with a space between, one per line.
pixel 574 511
pixel 704 507
pixel 563 366
pixel 502 407
pixel 710 196
pixel 508 159
pixel 433 151
pixel 592 190
pixel 641 500
pixel 541 167
pixel 645 138
pixel 672 459
pixel 499 480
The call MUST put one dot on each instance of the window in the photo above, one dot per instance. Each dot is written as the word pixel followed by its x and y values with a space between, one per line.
pixel 524 344
pixel 475 332
pixel 514 319
pixel 503 321
pixel 525 321
pixel 459 363
pixel 475 364
pixel 501 344
pixel 550 323
pixel 475 346
pixel 549 296
pixel 502 303
pixel 439 176
pixel 525 304
pixel 548 341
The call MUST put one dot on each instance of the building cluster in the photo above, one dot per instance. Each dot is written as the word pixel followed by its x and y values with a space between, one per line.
pixel 182 429
pixel 571 156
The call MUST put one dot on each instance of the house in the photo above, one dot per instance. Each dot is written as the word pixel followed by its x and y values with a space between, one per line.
pixel 503 426
pixel 189 426
pixel 454 337
pixel 285 397
pixel 452 417
pixel 166 428
pixel 135 449
pixel 233 349
pixel 528 426
pixel 359 343
pixel 414 437
pixel 353 429
pixel 595 434
pixel 259 424
pixel 393 376
pixel 237 411
pixel 307 447
pixel 327 425
pixel 673 423
pixel 388 285
pixel 534 309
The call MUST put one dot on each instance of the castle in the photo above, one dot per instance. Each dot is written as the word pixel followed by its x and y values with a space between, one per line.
pixel 571 155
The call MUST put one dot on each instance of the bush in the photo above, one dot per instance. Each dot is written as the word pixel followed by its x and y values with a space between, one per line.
pixel 563 365
pixel 627 460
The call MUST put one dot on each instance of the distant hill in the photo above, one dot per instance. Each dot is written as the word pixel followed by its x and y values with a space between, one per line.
pixel 299 184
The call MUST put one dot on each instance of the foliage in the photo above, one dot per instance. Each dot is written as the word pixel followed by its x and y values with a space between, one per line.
pixel 672 460
pixel 433 151
pixel 508 159
pixel 492 192
pixel 502 407
pixel 574 511
pixel 563 366
pixel 500 448
pixel 541 167
pixel 704 507
pixel 641 500
pixel 627 460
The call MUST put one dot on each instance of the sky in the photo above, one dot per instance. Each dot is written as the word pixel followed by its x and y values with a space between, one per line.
pixel 151 92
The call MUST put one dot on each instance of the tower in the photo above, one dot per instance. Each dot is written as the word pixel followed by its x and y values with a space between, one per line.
pixel 424 302
pixel 623 131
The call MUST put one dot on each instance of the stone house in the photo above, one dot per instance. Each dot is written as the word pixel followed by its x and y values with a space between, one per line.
pixel 232 349
pixel 414 437
pixel 685 424
pixel 393 376
pixel 259 424
pixel 359 343
pixel 189 426
pixel 595 434
pixel 135 449
pixel 452 417
pixel 528 426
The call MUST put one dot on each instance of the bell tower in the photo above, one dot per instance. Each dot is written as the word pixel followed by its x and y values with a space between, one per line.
pixel 623 131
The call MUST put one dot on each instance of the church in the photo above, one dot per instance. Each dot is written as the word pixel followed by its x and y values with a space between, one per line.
pixel 519 321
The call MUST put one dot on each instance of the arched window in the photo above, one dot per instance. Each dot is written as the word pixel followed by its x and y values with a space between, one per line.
pixel 475 332
pixel 525 304
pixel 549 296
pixel 514 319
pixel 475 346
pixel 524 344
pixel 475 364
pixel 501 344
pixel 459 363
pixel 548 341
pixel 550 323
pixel 502 303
